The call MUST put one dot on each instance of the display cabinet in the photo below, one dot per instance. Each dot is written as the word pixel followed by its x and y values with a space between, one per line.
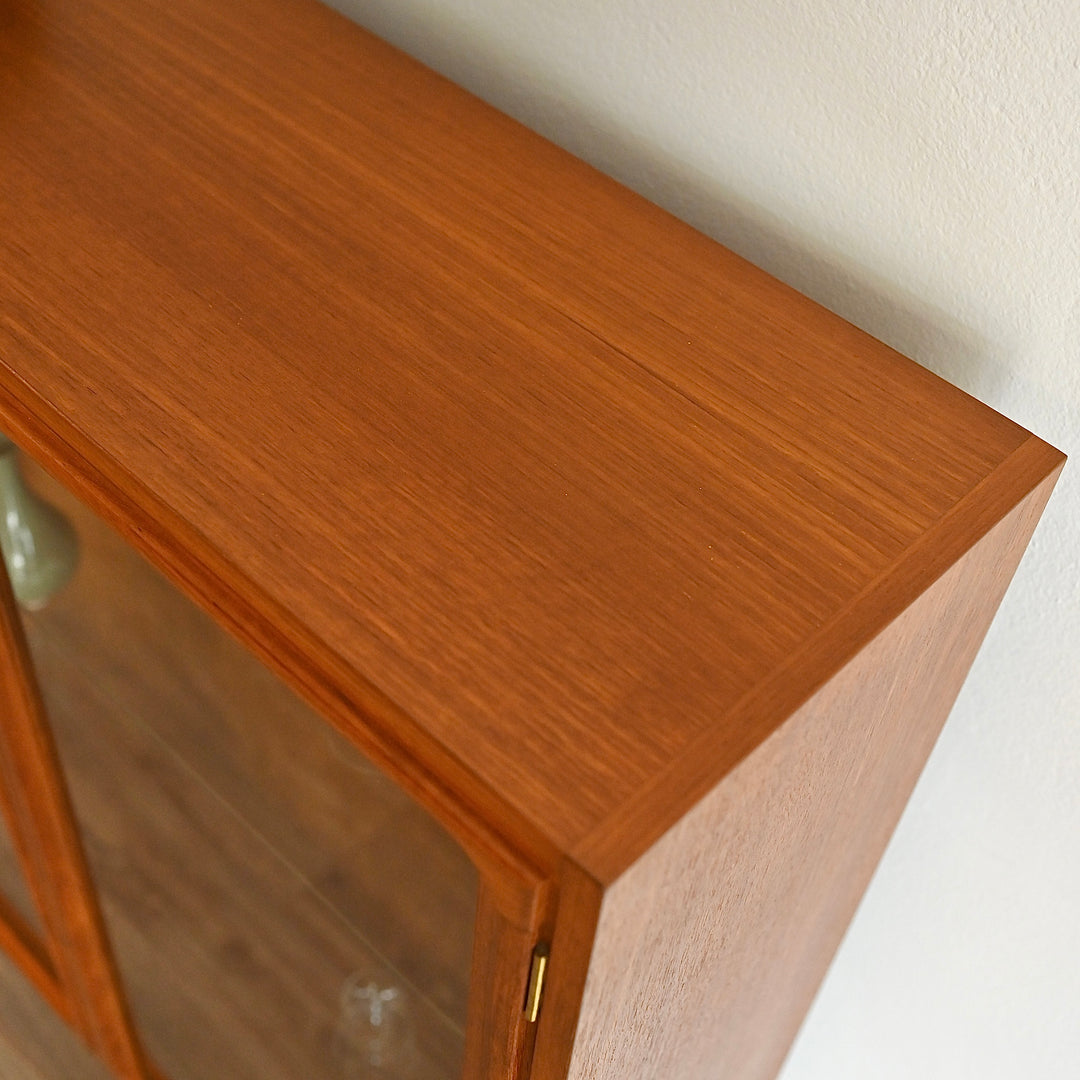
pixel 506 625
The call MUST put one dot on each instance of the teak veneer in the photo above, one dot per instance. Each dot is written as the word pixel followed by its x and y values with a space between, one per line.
pixel 649 578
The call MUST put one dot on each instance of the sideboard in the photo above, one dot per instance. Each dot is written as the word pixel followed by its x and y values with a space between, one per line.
pixel 508 625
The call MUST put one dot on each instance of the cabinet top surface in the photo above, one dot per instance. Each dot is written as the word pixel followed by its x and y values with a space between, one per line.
pixel 564 480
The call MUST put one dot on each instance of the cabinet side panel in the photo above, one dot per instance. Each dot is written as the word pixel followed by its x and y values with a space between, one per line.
pixel 711 946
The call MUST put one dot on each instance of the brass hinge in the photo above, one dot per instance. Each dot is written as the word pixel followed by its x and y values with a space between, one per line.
pixel 535 992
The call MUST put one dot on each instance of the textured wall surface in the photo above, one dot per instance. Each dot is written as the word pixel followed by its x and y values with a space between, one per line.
pixel 915 166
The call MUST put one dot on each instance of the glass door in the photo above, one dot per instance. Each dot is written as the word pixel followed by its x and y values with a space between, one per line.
pixel 278 908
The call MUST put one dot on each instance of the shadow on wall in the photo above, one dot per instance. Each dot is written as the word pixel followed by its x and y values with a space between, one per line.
pixel 471 56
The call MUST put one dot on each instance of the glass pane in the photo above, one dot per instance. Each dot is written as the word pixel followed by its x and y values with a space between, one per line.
pixel 278 907
pixel 35 1044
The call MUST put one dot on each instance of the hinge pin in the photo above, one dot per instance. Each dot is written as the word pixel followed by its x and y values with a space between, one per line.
pixel 535 992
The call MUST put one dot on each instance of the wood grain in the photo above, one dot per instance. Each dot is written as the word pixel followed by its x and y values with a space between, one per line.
pixel 558 477
pixel 554 508
pixel 580 897
pixel 710 947
pixel 503 951
pixel 641 819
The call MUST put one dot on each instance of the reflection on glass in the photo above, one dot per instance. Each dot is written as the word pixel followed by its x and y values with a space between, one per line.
pixel 375 1035
pixel 279 909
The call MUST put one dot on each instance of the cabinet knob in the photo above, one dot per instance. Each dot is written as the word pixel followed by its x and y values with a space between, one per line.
pixel 39 545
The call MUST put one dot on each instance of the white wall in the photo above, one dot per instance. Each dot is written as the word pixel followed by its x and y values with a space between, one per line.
pixel 915 166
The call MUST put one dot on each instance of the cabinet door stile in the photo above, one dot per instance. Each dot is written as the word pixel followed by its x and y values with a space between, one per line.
pixel 499 1036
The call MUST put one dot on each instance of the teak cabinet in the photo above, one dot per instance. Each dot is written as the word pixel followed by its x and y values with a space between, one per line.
pixel 619 591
